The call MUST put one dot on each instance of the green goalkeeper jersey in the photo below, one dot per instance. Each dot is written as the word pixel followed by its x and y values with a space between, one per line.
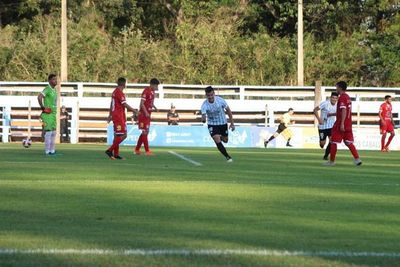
pixel 50 98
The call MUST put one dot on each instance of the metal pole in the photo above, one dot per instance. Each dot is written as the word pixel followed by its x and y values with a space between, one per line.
pixel 64 49
pixel 300 55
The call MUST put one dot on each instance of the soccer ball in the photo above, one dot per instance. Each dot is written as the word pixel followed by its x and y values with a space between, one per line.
pixel 26 143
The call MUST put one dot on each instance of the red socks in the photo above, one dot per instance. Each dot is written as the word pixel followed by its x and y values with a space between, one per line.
pixel 115 146
pixel 383 141
pixel 390 140
pixel 146 143
pixel 353 150
pixel 139 142
pixel 333 151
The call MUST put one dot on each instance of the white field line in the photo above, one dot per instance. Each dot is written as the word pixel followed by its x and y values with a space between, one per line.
pixel 199 252
pixel 185 158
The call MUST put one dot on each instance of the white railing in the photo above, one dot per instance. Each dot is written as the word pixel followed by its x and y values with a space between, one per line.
pixel 268 99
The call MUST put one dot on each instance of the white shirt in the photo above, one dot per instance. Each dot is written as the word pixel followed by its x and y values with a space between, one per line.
pixel 327 107
pixel 215 111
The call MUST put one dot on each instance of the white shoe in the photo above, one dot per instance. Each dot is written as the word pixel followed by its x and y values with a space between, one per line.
pixel 329 163
pixel 357 162
pixel 229 160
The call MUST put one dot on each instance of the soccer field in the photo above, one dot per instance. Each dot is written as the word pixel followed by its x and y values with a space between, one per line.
pixel 268 208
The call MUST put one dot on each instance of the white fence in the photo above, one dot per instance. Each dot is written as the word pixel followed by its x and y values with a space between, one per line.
pixel 265 99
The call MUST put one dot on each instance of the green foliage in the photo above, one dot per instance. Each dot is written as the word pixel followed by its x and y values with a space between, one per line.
pixel 208 42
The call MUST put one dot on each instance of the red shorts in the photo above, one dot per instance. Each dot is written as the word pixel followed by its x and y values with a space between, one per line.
pixel 338 136
pixel 143 123
pixel 387 128
pixel 119 126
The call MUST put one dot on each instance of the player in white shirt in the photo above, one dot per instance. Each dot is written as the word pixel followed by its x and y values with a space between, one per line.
pixel 326 120
pixel 213 109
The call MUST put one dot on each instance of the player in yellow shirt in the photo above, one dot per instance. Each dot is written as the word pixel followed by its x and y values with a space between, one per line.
pixel 286 120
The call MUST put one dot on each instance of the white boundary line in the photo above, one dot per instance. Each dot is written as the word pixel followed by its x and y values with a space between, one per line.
pixel 199 252
pixel 185 158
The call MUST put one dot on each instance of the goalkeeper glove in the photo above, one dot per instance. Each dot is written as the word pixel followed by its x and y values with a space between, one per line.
pixel 47 110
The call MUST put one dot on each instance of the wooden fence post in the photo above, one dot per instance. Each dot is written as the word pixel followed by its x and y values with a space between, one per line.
pixel 317 98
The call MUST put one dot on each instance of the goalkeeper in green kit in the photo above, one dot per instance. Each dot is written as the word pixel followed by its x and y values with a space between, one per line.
pixel 48 103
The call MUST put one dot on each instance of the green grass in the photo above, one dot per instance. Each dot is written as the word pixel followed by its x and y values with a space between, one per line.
pixel 267 199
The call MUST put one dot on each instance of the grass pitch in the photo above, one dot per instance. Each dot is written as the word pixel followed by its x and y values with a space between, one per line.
pixel 274 200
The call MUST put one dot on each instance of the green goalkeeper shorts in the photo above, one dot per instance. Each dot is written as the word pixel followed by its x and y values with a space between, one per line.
pixel 49 121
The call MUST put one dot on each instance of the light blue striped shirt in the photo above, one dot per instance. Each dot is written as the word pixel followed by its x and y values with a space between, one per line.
pixel 215 111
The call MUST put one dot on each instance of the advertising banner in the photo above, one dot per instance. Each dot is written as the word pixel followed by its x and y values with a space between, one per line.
pixel 248 136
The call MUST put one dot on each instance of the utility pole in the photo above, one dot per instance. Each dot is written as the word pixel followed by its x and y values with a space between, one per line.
pixel 64 63
pixel 64 54
pixel 300 55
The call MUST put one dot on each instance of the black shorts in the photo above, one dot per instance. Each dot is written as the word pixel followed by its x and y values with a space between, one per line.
pixel 281 128
pixel 218 130
pixel 323 134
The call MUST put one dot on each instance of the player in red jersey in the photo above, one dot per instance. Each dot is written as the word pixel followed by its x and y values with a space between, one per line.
pixel 117 115
pixel 146 107
pixel 342 129
pixel 386 123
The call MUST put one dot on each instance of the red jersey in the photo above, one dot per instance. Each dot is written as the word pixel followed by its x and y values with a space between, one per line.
pixel 148 98
pixel 344 102
pixel 117 107
pixel 386 111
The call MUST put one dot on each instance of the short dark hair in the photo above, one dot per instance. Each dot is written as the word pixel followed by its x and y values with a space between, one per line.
pixel 342 85
pixel 290 109
pixel 209 89
pixel 154 81
pixel 387 97
pixel 121 81
pixel 334 94
pixel 51 76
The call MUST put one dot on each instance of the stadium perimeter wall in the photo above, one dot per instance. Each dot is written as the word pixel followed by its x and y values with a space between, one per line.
pixel 268 101
pixel 366 138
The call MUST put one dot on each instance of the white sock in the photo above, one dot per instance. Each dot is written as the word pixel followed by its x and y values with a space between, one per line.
pixel 53 142
pixel 47 141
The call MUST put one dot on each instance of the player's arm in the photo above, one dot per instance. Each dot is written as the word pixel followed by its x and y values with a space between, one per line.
pixel 316 114
pixel 229 112
pixel 128 107
pixel 155 108
pixel 40 100
pixel 381 118
pixel 143 108
pixel 342 119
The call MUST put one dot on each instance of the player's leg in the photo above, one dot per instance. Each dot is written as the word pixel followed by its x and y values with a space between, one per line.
pixel 327 134
pixel 119 138
pixel 336 139
pixel 280 129
pixel 216 131
pixel 48 129
pixel 349 142
pixel 53 123
pixel 390 129
pixel 119 131
pixel 47 141
pixel 322 138
pixel 383 139
pixel 145 137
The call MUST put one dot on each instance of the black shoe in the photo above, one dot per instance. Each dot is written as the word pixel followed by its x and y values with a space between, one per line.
pixel 325 157
pixel 265 144
pixel 289 145
pixel 109 154
pixel 119 157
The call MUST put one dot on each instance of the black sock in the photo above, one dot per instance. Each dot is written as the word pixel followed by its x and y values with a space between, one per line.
pixel 271 138
pixel 327 150
pixel 222 149
pixel 288 141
